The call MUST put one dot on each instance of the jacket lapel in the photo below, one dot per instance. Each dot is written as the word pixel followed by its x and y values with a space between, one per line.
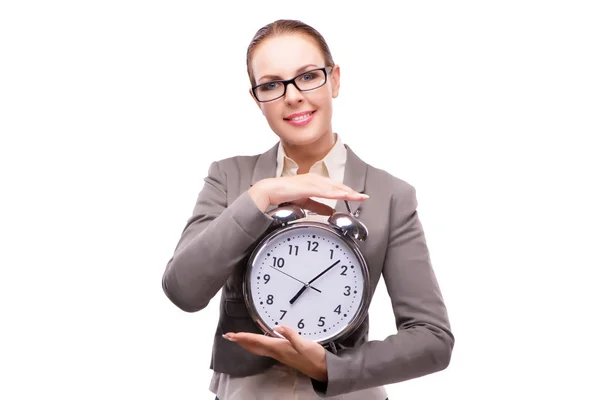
pixel 355 174
pixel 266 166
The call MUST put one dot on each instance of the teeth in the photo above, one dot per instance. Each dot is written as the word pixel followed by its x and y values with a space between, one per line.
pixel 300 118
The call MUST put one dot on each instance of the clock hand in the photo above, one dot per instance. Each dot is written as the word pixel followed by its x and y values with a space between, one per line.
pixel 293 299
pixel 328 268
pixel 304 283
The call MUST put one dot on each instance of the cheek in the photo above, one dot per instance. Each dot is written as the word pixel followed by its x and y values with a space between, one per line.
pixel 326 108
pixel 269 112
pixel 272 115
pixel 325 99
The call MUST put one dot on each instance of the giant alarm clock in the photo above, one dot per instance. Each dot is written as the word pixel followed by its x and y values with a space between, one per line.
pixel 309 275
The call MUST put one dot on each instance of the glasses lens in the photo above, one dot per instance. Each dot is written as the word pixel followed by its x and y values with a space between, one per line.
pixel 311 80
pixel 269 91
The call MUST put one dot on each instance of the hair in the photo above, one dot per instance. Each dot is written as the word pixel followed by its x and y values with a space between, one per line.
pixel 282 27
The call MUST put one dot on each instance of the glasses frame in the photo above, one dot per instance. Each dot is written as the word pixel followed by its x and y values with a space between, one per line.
pixel 286 82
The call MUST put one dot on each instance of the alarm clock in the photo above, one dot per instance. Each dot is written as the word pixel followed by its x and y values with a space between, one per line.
pixel 309 275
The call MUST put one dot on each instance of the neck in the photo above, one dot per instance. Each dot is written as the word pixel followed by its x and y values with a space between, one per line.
pixel 305 156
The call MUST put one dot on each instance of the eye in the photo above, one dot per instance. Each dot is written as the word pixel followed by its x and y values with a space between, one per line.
pixel 269 86
pixel 308 76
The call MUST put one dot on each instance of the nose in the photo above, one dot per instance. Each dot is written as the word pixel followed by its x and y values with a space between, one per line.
pixel 293 95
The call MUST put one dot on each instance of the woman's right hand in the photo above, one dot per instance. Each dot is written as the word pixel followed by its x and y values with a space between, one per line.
pixel 298 189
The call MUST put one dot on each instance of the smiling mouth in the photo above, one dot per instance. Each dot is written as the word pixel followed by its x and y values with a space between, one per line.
pixel 301 117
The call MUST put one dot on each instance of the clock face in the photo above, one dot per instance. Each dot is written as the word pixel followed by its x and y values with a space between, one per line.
pixel 308 278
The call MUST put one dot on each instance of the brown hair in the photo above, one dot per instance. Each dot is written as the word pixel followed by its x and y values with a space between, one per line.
pixel 281 27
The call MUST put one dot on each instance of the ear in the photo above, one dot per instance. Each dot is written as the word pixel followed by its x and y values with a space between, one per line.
pixel 334 75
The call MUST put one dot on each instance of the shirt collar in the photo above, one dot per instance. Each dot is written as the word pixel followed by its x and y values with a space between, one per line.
pixel 335 160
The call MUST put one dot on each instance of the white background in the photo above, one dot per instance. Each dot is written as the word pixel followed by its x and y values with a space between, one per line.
pixel 111 112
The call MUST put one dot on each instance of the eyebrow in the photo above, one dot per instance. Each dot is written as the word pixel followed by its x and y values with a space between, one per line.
pixel 297 71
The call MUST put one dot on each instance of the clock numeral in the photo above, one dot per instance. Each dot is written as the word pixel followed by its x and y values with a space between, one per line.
pixel 291 249
pixel 344 271
pixel 301 324
pixel 282 315
pixel 270 299
pixel 338 309
pixel 331 254
pixel 267 278
pixel 322 321
pixel 347 292
pixel 314 244
pixel 278 262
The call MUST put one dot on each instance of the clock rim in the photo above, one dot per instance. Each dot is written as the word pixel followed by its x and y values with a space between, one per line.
pixel 363 307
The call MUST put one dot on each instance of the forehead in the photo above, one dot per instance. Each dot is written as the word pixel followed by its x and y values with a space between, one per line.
pixel 283 55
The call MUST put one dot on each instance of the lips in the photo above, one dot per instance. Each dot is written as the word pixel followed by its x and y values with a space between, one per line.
pixel 299 116
pixel 300 119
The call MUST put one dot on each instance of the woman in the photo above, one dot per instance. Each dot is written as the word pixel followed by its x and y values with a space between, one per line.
pixel 294 80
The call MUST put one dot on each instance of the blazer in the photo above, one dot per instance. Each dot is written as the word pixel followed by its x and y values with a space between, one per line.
pixel 226 224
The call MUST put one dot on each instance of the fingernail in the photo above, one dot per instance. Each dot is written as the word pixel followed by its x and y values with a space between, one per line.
pixel 366 196
pixel 278 334
pixel 227 337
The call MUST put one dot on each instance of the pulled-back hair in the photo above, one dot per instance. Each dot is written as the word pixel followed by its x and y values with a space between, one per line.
pixel 282 27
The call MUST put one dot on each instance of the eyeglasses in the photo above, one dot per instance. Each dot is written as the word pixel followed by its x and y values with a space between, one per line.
pixel 309 80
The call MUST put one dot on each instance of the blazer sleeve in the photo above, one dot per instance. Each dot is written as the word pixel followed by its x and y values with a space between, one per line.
pixel 214 240
pixel 424 341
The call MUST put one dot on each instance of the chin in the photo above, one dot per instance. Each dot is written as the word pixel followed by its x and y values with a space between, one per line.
pixel 300 138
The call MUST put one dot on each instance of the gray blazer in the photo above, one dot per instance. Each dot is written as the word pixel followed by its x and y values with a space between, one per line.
pixel 218 239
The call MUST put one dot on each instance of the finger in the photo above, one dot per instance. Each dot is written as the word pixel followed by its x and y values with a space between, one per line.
pixel 297 341
pixel 355 196
pixel 344 195
pixel 256 344
pixel 341 191
pixel 246 337
pixel 322 186
pixel 341 186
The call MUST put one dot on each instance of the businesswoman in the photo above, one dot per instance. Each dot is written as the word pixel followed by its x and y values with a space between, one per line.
pixel 293 82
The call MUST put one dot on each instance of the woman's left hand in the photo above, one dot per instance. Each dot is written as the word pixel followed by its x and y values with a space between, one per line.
pixel 295 351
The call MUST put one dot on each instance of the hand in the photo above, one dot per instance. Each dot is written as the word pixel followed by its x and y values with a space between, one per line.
pixel 298 189
pixel 311 281
pixel 293 350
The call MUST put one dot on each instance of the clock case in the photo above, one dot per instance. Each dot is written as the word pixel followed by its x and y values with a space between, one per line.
pixel 346 226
